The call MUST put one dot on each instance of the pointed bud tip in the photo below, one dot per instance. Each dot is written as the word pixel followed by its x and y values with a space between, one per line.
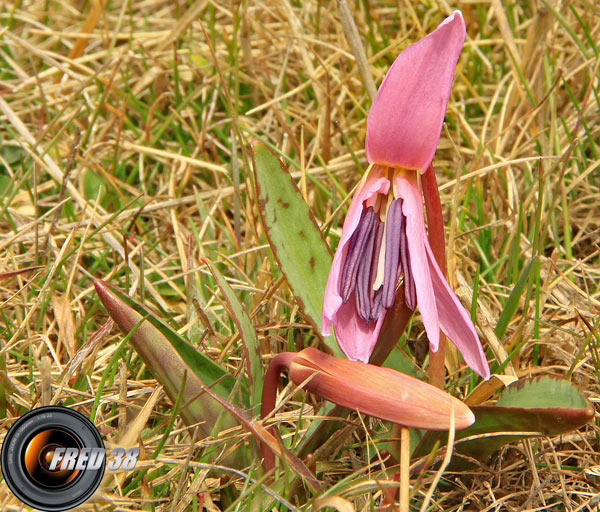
pixel 112 302
pixel 99 284
pixel 120 312
pixel 468 418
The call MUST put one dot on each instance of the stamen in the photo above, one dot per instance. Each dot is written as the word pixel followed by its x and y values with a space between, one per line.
pixel 410 292
pixel 363 303
pixel 373 292
pixel 376 305
pixel 355 252
pixel 394 231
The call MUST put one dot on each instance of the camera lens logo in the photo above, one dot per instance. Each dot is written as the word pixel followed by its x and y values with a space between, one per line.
pixel 53 458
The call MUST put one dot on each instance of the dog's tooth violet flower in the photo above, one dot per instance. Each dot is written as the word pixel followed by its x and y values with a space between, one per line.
pixel 384 233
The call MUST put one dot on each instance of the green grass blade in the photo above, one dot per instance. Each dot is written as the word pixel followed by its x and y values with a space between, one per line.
pixel 249 339
pixel 513 300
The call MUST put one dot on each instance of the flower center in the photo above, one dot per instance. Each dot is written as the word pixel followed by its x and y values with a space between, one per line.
pixel 377 256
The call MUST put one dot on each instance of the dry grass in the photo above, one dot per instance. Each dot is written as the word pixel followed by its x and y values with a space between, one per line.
pixel 124 151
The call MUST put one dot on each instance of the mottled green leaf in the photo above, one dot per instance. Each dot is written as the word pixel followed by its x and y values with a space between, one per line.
pixel 293 234
pixel 528 407
pixel 168 356
pixel 543 392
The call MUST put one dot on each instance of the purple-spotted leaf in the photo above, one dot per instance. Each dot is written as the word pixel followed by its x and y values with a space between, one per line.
pixel 293 234
pixel 527 408
pixel 168 356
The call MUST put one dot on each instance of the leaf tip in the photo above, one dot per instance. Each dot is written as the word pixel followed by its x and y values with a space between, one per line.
pixel 119 311
pixel 257 145
pixel 102 290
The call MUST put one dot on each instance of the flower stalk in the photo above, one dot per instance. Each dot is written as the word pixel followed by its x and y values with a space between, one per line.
pixel 279 363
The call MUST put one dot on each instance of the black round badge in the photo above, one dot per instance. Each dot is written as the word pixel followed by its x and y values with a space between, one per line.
pixel 42 459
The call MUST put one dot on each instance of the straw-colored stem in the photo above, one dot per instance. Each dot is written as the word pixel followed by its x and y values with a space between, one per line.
pixel 357 48
pixel 404 469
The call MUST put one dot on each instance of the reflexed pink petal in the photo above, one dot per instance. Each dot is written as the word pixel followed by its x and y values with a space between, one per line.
pixel 455 322
pixel 410 191
pixel 374 184
pixel 378 391
pixel 405 120
pixel 356 337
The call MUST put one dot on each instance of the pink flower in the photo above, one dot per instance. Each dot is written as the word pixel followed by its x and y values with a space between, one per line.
pixel 384 232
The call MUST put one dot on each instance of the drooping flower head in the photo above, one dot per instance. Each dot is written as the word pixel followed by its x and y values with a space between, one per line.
pixel 384 234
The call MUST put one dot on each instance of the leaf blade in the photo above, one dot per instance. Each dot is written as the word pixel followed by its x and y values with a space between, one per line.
pixel 520 412
pixel 168 355
pixel 295 239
